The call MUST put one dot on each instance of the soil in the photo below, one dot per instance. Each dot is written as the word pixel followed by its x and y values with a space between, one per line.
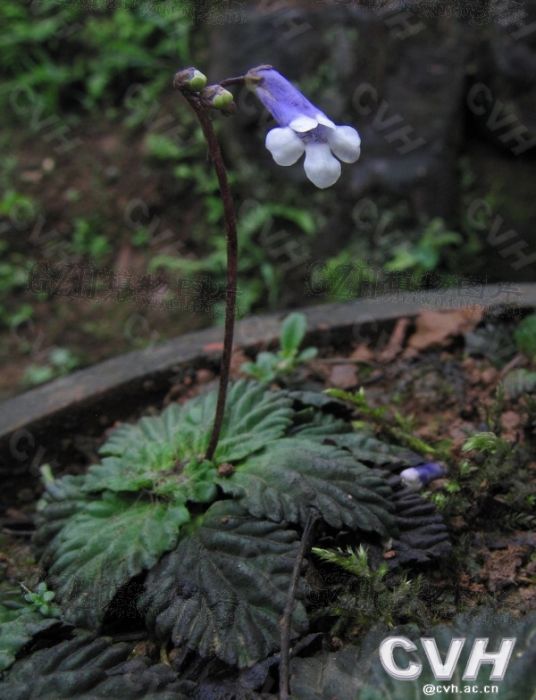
pixel 133 191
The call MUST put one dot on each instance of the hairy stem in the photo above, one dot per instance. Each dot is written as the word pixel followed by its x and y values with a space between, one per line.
pixel 232 262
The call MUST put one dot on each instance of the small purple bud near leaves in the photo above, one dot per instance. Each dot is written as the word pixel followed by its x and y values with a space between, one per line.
pixel 421 475
pixel 303 128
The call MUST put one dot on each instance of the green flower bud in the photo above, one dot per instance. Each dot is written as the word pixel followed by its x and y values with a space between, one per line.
pixel 222 99
pixel 190 79
pixel 219 98
pixel 198 80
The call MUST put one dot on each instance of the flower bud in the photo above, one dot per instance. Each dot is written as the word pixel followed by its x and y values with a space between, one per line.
pixel 190 79
pixel 219 98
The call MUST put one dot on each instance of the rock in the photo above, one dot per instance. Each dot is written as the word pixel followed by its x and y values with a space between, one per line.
pixel 502 97
pixel 409 76
pixel 398 77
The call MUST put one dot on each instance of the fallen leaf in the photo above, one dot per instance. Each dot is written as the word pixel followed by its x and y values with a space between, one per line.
pixel 343 376
pixel 362 353
pixel 238 358
pixel 213 347
pixel 433 328
pixel 396 341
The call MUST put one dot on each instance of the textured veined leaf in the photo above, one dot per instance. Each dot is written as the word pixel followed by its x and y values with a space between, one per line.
pixel 422 533
pixel 367 448
pixel 293 475
pixel 253 417
pixel 103 546
pixel 223 589
pixel 62 499
pixel 152 453
pixel 193 480
pixel 86 668
pixel 361 445
pixel 311 423
pixel 319 400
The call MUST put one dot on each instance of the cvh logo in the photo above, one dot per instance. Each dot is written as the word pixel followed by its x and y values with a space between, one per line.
pixel 444 670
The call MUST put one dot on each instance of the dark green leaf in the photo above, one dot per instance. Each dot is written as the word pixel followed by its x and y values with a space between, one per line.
pixel 104 545
pixel 86 668
pixel 320 400
pixel 62 499
pixel 366 448
pixel 294 475
pixel 422 533
pixel 362 445
pixel 317 426
pixel 223 589
pixel 19 622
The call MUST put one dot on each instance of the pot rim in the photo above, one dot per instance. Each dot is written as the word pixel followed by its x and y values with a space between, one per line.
pixel 63 400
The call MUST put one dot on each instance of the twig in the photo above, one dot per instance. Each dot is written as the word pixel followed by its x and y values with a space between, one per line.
pixel 514 362
pixel 285 622
pixel 232 254
pixel 239 80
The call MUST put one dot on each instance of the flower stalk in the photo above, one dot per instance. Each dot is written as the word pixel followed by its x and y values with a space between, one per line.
pixel 201 108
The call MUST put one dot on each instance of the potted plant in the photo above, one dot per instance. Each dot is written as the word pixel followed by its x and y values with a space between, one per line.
pixel 192 558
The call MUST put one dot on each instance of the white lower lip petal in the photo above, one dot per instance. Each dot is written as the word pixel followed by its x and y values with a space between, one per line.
pixel 285 145
pixel 345 143
pixel 320 166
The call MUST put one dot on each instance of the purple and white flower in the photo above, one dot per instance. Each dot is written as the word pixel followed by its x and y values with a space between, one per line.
pixel 303 128
pixel 421 475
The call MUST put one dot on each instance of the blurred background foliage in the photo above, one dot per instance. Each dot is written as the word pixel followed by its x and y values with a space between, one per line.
pixel 111 226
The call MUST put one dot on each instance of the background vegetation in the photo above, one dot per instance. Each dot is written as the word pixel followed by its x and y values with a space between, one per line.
pixel 111 230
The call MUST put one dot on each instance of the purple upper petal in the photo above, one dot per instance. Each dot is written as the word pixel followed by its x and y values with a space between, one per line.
pixel 422 474
pixel 430 471
pixel 281 98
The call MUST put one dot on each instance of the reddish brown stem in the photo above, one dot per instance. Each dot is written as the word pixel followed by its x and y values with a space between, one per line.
pixel 286 619
pixel 232 263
